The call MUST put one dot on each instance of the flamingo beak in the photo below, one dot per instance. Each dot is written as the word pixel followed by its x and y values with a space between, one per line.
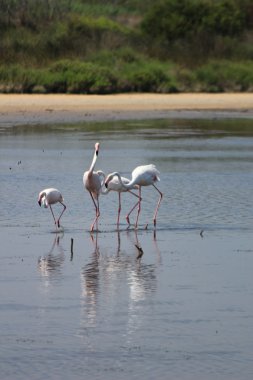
pixel 39 202
pixel 97 148
pixel 106 184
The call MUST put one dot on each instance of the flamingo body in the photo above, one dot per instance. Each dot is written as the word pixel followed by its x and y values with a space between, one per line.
pixel 92 182
pixel 51 196
pixel 144 175
pixel 119 186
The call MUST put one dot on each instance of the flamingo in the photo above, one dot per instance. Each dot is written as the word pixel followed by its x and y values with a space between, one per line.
pixel 115 185
pixel 48 197
pixel 92 182
pixel 144 175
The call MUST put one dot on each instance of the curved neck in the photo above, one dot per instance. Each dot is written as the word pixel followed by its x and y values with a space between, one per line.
pixel 102 175
pixel 128 185
pixel 41 195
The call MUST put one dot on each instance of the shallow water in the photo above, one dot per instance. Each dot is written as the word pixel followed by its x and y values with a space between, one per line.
pixel 183 310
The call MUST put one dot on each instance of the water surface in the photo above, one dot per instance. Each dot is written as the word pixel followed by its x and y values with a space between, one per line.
pixel 184 310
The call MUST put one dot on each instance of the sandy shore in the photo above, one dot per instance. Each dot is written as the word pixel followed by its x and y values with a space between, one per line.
pixel 45 109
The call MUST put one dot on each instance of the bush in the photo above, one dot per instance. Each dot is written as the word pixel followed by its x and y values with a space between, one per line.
pixel 136 76
pixel 196 24
pixel 173 19
pixel 145 77
pixel 225 76
pixel 84 77
pixel 15 78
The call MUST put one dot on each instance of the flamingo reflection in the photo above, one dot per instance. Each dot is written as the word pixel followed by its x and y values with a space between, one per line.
pixel 90 281
pixel 50 264
pixel 142 277
pixel 113 276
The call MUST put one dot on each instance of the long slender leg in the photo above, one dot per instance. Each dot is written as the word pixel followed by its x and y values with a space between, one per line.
pixel 97 213
pixel 139 208
pixel 132 209
pixel 55 222
pixel 119 209
pixel 158 204
pixel 64 208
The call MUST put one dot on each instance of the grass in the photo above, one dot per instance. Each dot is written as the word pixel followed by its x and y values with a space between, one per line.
pixel 131 73
pixel 93 47
pixel 221 76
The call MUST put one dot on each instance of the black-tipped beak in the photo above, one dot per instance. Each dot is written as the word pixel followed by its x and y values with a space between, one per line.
pixel 96 152
pixel 106 185
pixel 39 202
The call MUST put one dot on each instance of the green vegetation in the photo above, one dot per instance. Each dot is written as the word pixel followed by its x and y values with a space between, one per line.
pixel 79 46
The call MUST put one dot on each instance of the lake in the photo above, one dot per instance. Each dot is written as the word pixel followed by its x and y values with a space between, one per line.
pixel 97 310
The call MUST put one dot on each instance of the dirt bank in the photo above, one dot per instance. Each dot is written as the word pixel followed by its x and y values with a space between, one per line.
pixel 44 109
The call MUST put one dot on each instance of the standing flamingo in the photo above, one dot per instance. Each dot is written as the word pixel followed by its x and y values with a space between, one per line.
pixel 48 197
pixel 144 175
pixel 115 185
pixel 92 182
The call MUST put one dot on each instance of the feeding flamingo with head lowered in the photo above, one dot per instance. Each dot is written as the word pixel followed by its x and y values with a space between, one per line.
pixel 48 197
pixel 92 182
pixel 144 175
pixel 115 185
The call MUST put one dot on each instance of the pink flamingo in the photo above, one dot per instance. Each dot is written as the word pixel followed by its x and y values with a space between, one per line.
pixel 48 197
pixel 115 185
pixel 144 175
pixel 92 182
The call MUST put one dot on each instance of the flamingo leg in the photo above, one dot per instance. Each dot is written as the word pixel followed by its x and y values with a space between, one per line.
pixel 55 222
pixel 132 209
pixel 119 209
pixel 139 208
pixel 64 208
pixel 97 214
pixel 158 204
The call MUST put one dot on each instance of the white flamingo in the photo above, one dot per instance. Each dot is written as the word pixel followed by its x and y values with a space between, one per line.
pixel 48 197
pixel 92 182
pixel 115 185
pixel 144 175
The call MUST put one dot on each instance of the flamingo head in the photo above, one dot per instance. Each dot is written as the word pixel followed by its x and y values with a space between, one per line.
pixel 108 179
pixel 39 199
pixel 97 148
pixel 42 200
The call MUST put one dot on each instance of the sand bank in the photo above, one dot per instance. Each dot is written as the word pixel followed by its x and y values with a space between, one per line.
pixel 21 109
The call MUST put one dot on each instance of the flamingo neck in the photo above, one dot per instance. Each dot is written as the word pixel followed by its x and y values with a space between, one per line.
pixel 41 195
pixel 102 174
pixel 93 162
pixel 128 185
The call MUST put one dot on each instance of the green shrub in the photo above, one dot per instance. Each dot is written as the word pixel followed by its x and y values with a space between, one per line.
pixel 137 76
pixel 144 77
pixel 94 80
pixel 52 82
pixel 84 77
pixel 15 78
pixel 194 24
pixel 225 76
